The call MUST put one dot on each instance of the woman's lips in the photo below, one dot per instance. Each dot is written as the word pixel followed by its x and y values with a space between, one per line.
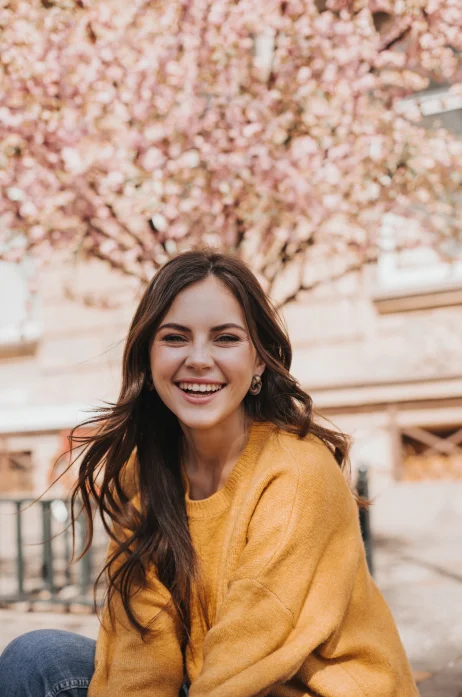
pixel 199 397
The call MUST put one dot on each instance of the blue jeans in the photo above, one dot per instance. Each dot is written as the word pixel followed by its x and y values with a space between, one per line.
pixel 48 663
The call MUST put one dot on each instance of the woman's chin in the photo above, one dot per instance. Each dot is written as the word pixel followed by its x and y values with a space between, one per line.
pixel 199 421
pixel 202 419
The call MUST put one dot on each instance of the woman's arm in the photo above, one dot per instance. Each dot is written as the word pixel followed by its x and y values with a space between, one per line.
pixel 125 664
pixel 302 590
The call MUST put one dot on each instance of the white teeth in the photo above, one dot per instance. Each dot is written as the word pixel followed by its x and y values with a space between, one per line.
pixel 199 387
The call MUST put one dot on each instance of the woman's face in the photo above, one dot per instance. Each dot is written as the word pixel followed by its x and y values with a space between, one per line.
pixel 202 357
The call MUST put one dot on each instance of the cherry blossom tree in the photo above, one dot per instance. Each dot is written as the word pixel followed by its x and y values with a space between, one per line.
pixel 278 129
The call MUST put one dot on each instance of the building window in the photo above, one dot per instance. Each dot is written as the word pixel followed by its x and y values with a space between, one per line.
pixel 417 267
pixel 19 327
pixel 415 279
pixel 432 453
pixel 422 277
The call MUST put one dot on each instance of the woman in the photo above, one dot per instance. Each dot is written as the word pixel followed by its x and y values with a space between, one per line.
pixel 236 564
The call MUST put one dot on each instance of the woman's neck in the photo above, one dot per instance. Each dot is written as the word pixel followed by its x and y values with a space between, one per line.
pixel 209 455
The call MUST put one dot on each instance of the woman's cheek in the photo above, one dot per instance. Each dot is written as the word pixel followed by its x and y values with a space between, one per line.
pixel 167 361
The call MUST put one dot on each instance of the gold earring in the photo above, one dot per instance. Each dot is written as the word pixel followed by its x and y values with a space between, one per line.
pixel 255 385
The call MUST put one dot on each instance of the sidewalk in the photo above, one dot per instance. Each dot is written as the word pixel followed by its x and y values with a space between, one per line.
pixel 418 555
pixel 13 623
pixel 418 567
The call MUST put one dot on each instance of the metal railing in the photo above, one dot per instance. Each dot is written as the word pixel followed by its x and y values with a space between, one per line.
pixel 36 551
pixel 41 571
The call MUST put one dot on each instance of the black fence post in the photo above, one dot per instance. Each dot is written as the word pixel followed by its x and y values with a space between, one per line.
pixel 19 556
pixel 67 546
pixel 362 487
pixel 86 561
pixel 47 567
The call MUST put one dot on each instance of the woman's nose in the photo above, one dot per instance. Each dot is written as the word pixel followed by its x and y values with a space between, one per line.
pixel 199 357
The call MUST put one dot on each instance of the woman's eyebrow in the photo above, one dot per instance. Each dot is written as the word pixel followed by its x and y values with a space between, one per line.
pixel 218 328
pixel 228 325
pixel 173 325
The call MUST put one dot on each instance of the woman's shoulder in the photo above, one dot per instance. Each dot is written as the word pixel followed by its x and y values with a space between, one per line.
pixel 306 460
pixel 300 477
pixel 289 448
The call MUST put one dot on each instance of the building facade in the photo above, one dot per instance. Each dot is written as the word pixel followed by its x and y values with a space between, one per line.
pixel 381 354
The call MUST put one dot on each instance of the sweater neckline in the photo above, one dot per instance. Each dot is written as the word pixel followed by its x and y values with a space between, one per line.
pixel 219 501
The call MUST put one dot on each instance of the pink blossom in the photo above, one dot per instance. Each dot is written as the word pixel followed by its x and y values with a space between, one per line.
pixel 143 128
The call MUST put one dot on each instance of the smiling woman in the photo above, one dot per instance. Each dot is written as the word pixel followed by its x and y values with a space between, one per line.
pixel 235 566
pixel 206 362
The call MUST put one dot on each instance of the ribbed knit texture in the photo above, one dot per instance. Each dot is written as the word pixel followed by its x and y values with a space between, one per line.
pixel 293 609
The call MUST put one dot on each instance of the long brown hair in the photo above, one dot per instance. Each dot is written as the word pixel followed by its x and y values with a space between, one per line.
pixel 156 532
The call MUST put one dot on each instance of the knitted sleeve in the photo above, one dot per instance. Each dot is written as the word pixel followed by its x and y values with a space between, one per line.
pixel 291 592
pixel 127 665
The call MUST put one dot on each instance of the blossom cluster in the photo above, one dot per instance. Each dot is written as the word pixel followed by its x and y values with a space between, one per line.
pixel 129 131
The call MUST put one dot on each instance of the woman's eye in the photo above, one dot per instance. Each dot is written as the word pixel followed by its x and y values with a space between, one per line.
pixel 227 338
pixel 173 338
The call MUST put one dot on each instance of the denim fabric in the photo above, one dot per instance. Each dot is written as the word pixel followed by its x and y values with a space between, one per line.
pixel 48 663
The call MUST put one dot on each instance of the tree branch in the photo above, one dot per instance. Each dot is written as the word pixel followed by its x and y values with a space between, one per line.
pixel 355 266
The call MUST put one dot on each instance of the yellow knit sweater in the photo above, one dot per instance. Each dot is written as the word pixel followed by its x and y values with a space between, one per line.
pixel 294 610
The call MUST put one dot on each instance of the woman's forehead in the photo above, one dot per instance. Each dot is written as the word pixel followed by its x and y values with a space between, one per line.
pixel 208 301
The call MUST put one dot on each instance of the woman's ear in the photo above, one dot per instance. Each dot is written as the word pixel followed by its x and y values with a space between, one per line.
pixel 259 367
